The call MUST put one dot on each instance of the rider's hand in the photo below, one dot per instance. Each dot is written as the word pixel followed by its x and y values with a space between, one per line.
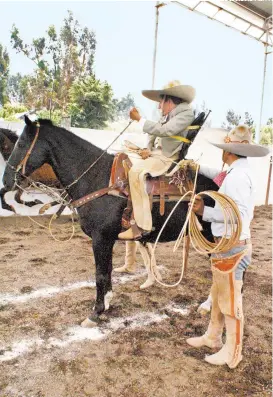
pixel 198 206
pixel 134 115
pixel 144 153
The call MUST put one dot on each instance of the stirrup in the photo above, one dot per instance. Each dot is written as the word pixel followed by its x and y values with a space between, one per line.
pixel 137 231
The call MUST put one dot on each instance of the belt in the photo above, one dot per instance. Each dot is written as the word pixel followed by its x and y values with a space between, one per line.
pixel 240 242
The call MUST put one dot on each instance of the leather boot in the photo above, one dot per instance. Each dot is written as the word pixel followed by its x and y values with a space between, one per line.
pixel 205 340
pixel 231 353
pixel 127 235
pixel 130 258
pixel 213 337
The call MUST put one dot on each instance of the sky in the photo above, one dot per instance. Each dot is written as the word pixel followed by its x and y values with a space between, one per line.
pixel 224 66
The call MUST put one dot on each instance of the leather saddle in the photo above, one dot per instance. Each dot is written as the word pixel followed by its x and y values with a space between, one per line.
pixel 169 187
pixel 160 189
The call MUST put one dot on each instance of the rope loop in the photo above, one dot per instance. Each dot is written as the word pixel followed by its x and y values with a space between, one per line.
pixel 232 218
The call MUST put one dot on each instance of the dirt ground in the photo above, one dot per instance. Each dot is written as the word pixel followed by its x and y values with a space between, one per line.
pixel 47 289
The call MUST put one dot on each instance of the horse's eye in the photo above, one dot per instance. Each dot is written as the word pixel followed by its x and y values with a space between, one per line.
pixel 21 145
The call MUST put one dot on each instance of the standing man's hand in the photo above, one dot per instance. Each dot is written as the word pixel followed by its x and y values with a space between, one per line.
pixel 198 206
pixel 134 115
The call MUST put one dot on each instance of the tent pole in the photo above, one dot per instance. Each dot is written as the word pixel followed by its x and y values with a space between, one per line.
pixel 268 182
pixel 157 6
pixel 258 131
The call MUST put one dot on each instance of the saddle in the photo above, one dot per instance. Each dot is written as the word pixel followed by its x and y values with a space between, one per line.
pixel 160 189
pixel 168 187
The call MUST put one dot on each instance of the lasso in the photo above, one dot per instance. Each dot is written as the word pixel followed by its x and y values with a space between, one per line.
pixel 232 219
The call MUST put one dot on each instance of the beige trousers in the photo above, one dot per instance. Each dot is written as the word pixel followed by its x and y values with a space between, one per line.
pixel 155 165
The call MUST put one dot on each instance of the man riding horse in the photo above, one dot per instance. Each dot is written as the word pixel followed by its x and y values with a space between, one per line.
pixel 177 114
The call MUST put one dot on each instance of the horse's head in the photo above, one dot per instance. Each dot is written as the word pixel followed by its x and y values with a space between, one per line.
pixel 6 146
pixel 29 153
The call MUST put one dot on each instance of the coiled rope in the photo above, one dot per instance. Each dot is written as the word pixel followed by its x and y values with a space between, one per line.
pixel 230 238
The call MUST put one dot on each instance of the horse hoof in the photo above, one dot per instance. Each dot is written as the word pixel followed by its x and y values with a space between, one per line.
pixel 148 283
pixel 87 323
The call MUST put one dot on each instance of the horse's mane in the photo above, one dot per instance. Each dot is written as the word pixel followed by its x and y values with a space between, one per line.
pixel 11 135
pixel 46 122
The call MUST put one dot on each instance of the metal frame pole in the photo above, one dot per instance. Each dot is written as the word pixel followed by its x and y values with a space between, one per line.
pixel 258 131
pixel 268 182
pixel 157 6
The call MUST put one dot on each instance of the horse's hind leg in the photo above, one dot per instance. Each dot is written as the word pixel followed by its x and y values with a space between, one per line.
pixel 30 204
pixel 102 248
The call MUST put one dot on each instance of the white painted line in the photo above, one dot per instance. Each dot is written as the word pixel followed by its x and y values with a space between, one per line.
pixel 79 334
pixel 183 310
pixel 44 292
pixel 20 348
pixel 51 291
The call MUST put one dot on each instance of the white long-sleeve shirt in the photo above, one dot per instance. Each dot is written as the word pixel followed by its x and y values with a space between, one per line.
pixel 238 185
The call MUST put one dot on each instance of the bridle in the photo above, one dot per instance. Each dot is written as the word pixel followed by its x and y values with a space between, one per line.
pixel 23 163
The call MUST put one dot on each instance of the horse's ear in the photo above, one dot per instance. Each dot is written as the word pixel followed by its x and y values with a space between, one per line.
pixel 27 120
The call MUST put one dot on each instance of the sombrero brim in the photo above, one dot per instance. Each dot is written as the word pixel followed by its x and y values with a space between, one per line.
pixel 242 149
pixel 185 92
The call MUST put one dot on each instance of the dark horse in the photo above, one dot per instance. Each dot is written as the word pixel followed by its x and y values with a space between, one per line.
pixel 8 139
pixel 100 219
pixel 44 174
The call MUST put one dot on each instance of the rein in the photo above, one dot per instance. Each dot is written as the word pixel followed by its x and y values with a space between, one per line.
pixel 103 153
pixel 23 163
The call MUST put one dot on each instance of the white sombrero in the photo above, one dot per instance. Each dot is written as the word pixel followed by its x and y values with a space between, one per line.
pixel 174 88
pixel 237 141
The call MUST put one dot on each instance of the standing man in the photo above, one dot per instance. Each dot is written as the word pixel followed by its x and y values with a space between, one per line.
pixel 228 267
pixel 177 114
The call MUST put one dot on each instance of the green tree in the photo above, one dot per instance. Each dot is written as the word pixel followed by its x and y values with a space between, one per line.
pixel 232 119
pixel 15 88
pixel 123 106
pixel 55 116
pixel 267 133
pixel 9 111
pixel 60 59
pixel 91 103
pixel 4 72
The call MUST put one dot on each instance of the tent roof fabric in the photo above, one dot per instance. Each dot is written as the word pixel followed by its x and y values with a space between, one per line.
pixel 253 18
pixel 263 8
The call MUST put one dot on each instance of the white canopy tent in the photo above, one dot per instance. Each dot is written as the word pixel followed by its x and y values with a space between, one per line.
pixel 252 18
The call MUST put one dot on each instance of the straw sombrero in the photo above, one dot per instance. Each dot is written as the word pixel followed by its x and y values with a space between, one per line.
pixel 174 88
pixel 237 141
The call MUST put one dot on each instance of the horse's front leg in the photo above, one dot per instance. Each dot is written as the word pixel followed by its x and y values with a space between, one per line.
pixel 102 248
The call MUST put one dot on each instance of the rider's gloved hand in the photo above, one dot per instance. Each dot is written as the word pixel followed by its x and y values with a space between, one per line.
pixel 144 153
pixel 134 114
